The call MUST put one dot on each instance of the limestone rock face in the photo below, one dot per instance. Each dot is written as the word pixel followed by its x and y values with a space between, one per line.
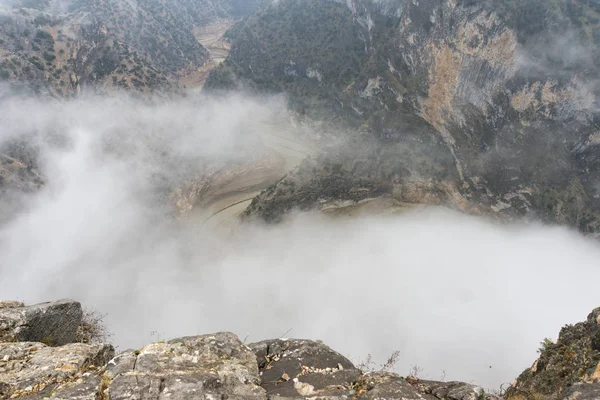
pixel 209 366
pixel 304 368
pixel 28 368
pixel 53 324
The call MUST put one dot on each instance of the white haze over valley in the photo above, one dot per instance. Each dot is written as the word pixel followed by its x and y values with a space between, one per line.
pixel 461 297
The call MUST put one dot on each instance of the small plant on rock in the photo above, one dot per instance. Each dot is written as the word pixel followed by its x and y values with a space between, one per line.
pixel 415 372
pixel 368 365
pixel 92 328
pixel 391 362
pixel 545 345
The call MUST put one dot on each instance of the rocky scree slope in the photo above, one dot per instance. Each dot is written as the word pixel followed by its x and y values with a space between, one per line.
pixel 501 96
pixel 43 356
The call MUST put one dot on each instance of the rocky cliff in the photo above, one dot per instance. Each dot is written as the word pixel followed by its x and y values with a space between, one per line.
pixel 43 356
pixel 501 96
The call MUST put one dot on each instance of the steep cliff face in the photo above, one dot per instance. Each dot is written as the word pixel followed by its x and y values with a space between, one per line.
pixel 516 113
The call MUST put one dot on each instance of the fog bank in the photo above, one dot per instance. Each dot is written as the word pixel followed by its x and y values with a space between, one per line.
pixel 458 296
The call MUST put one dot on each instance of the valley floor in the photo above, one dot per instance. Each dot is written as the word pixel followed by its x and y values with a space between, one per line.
pixel 211 37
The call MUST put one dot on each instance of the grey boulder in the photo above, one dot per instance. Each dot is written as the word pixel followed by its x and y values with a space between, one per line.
pixel 54 324
pixel 304 368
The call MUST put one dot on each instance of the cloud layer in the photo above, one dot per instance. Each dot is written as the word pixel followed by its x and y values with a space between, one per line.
pixel 452 293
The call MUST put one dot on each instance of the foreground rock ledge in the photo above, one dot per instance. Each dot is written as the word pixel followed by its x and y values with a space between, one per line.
pixel 33 368
pixel 221 366
pixel 216 366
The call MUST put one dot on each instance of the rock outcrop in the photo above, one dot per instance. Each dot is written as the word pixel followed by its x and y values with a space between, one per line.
pixel 54 324
pixel 569 367
pixel 221 366
pixel 214 366
pixel 206 367
pixel 303 368
pixel 28 368
pixel 40 356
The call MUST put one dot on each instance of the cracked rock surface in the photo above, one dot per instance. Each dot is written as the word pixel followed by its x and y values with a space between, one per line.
pixel 213 366
pixel 304 368
pixel 28 368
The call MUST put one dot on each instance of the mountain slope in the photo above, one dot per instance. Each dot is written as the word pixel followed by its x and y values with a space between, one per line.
pixel 51 48
pixel 517 114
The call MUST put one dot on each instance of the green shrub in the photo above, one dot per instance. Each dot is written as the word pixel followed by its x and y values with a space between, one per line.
pixel 37 62
pixel 43 36
pixel 49 56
